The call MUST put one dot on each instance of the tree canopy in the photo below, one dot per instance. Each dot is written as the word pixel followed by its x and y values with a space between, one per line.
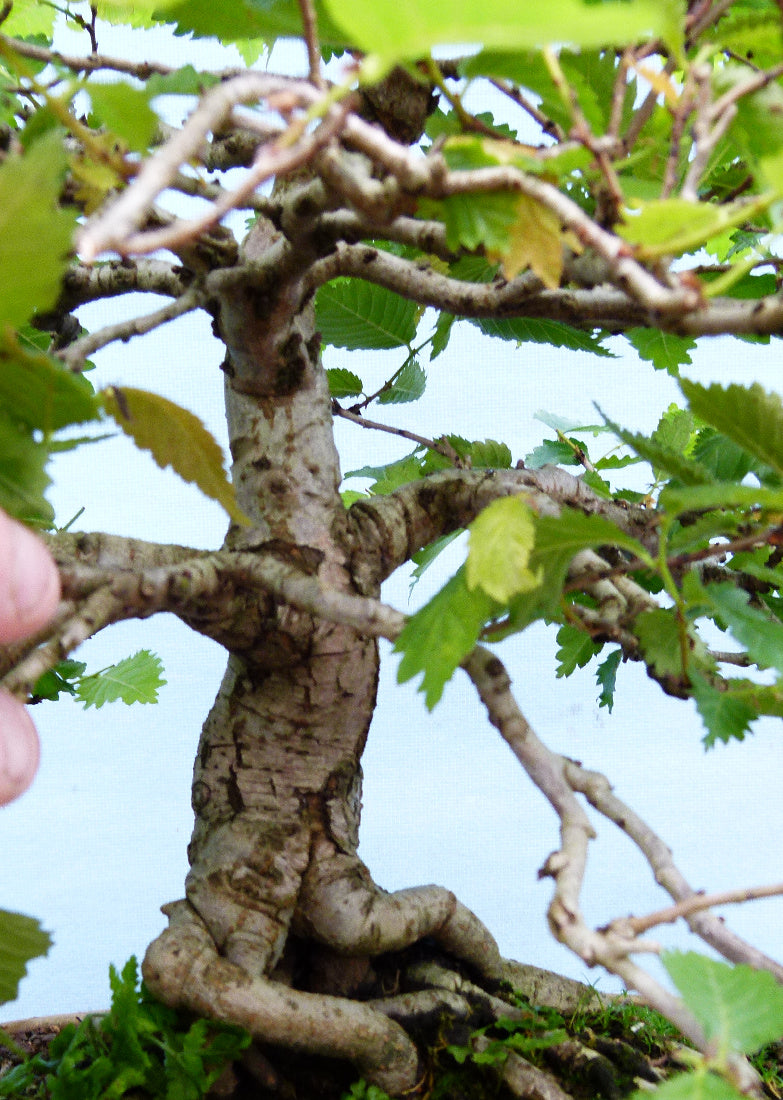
pixel 627 186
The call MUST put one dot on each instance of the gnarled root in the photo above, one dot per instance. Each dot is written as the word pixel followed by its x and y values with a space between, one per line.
pixel 183 969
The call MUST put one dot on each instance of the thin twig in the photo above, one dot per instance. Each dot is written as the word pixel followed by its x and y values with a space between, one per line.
pixel 76 353
pixel 310 34
pixel 699 902
pixel 441 446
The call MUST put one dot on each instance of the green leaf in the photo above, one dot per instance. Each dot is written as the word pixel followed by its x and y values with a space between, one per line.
pixel 534 330
pixel 438 637
pixel 440 338
pixel 721 494
pixel 576 649
pixel 661 456
pixel 391 477
pixel 699 1085
pixel 663 349
pixel 749 415
pixel 424 558
pixel 126 112
pixel 23 477
pixel 726 716
pixel 759 634
pixel 344 383
pixel 409 385
pixel 133 680
pixel 243 19
pixel 397 29
pixel 663 227
pixel 57 681
pixel 660 641
pixel 353 314
pixel 606 677
pixel 475 219
pixel 29 17
pixel 552 451
pixel 489 454
pixel 21 939
pixel 739 1007
pixel 32 262
pixel 38 391
pixel 176 438
pixel 501 542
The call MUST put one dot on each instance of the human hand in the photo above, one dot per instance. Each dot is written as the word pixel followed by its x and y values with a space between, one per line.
pixel 29 592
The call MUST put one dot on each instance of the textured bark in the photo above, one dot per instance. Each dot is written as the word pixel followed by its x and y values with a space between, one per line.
pixel 276 785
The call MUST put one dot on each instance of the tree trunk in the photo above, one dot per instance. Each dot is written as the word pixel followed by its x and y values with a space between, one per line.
pixel 277 778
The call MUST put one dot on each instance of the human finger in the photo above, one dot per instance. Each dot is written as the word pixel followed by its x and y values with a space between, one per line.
pixel 19 748
pixel 29 582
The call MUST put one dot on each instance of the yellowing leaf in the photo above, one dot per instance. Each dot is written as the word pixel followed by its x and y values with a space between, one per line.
pixel 176 438
pixel 534 241
pixel 501 541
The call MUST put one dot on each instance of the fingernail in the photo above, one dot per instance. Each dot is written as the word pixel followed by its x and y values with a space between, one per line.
pixel 19 749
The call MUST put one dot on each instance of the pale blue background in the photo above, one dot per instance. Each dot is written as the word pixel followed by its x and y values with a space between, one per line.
pixel 98 844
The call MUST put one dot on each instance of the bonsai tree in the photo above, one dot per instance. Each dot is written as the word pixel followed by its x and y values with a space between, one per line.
pixel 636 192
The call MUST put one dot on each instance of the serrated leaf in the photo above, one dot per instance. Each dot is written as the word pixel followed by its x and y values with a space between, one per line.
pixel 473 220
pixel 344 383
pixel 534 241
pixel 759 634
pixel 176 438
pixel 664 350
pixel 409 385
pixel 357 315
pixel 396 29
pixel 749 415
pixel 534 330
pixel 438 637
pixel 606 677
pixel 576 649
pixel 21 939
pixel 501 542
pixel 38 391
pixel 726 716
pixel 659 635
pixel 662 457
pixel 244 19
pixel 489 454
pixel 557 540
pixel 740 1008
pixel 32 262
pixel 133 680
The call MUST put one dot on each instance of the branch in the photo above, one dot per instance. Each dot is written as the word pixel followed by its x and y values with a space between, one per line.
pixel 117 224
pixel 388 530
pixel 83 283
pixel 602 306
pixel 76 353
pixel 597 790
pixel 699 902
pixel 566 866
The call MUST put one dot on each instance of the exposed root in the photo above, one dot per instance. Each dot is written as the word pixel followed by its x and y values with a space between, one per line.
pixel 183 969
